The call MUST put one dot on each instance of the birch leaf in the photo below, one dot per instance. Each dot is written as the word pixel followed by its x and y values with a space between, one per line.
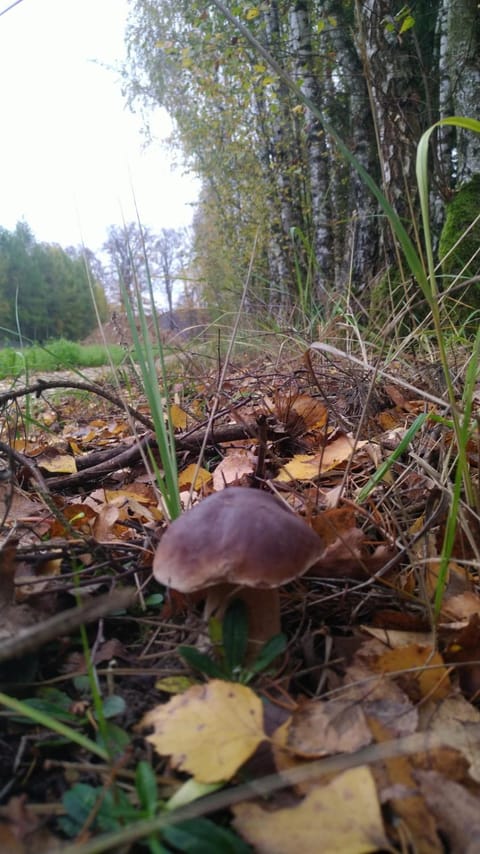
pixel 342 816
pixel 210 730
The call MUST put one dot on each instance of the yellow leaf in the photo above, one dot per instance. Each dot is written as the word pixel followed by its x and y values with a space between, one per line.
pixel 425 673
pixel 62 463
pixel 259 68
pixel 309 466
pixel 210 730
pixel 300 467
pixel 185 477
pixel 343 815
pixel 252 13
pixel 178 417
pixel 174 684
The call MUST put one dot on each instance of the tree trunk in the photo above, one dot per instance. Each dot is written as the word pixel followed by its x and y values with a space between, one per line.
pixel 463 58
pixel 316 155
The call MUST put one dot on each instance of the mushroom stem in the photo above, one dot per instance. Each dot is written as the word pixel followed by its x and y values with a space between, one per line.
pixel 263 611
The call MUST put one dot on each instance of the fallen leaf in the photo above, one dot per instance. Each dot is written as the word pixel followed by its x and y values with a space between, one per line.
pixel 344 558
pixel 300 413
pixel 332 524
pixel 342 816
pixel 310 466
pixel 462 606
pixel 397 786
pixel 185 478
pixel 232 468
pixel 464 650
pixel 395 638
pixel 79 517
pixel 210 730
pixel 456 810
pixel 178 417
pixel 322 728
pixel 454 716
pixel 421 671
pixel 56 462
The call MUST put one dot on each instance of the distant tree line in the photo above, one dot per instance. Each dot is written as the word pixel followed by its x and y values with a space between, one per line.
pixel 44 290
pixel 381 72
pixel 140 259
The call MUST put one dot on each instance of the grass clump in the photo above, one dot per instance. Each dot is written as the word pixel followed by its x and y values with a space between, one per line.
pixel 55 356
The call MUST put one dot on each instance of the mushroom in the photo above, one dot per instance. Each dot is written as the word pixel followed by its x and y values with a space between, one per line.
pixel 238 543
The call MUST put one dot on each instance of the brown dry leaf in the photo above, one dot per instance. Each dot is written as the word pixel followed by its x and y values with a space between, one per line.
pixel 8 566
pixel 312 412
pixel 27 577
pixel 80 517
pixel 461 607
pixel 388 419
pixel 457 580
pixel 398 398
pixel 456 810
pixel 453 716
pixel 344 558
pixel 210 730
pixel 104 523
pixel 397 786
pixel 185 478
pixel 310 466
pixel 332 524
pixel 9 844
pixel 342 816
pixel 396 638
pixel 285 759
pixel 322 728
pixel 17 505
pixel 23 832
pixel 232 468
pixel 433 682
pixel 464 649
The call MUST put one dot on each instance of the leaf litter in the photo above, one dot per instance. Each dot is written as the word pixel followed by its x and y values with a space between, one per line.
pixel 374 711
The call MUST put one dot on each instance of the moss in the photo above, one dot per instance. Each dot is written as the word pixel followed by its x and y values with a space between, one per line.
pixel 461 212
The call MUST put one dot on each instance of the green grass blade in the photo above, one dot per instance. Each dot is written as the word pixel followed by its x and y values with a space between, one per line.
pixel 52 724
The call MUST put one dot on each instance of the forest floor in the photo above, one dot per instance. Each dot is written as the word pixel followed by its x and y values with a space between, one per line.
pixel 358 732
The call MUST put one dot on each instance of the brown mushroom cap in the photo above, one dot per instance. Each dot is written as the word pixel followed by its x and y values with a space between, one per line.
pixel 240 536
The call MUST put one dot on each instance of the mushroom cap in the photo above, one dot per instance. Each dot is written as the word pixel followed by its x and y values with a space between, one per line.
pixel 238 536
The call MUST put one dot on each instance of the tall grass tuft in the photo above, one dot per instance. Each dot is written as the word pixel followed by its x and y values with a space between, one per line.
pixel 155 388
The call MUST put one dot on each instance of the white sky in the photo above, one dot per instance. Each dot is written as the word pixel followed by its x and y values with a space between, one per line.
pixel 68 143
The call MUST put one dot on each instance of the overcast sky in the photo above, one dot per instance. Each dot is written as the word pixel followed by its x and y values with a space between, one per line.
pixel 68 144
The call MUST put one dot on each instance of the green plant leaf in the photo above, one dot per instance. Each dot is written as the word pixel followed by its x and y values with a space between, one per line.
pixel 47 707
pixel 269 652
pixel 114 809
pixel 155 600
pixel 190 791
pixel 200 661
pixel 235 635
pixel 113 738
pixel 407 24
pixel 78 803
pixel 146 787
pixel 113 706
pixel 202 836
